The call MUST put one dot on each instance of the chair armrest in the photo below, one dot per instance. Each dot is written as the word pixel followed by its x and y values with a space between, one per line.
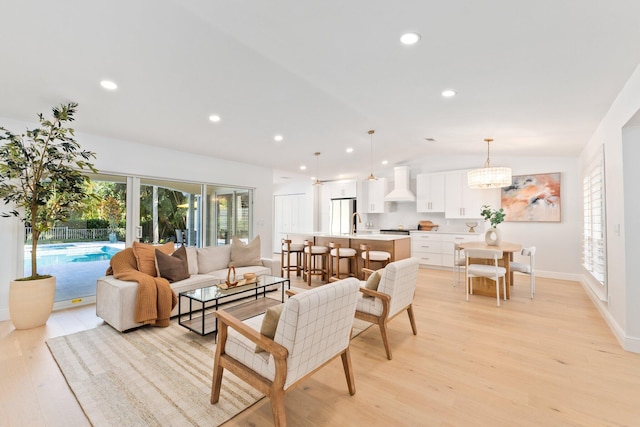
pixel 375 294
pixel 291 292
pixel 278 351
pixel 367 272
pixel 272 264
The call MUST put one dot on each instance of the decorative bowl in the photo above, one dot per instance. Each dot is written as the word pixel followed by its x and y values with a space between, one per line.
pixel 249 277
pixel 472 225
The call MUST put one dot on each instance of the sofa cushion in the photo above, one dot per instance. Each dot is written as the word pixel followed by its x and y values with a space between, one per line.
pixel 270 323
pixel 192 259
pixel 213 258
pixel 173 267
pixel 243 255
pixel 146 256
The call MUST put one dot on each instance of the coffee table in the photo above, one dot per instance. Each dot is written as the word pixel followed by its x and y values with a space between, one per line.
pixel 196 319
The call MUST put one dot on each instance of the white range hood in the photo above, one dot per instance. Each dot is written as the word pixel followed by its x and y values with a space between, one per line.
pixel 401 192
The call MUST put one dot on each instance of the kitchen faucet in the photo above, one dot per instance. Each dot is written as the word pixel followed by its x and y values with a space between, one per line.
pixel 353 227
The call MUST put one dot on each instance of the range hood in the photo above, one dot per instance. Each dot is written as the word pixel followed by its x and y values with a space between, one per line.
pixel 401 192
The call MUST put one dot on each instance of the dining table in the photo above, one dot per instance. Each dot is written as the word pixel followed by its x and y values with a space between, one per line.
pixel 484 286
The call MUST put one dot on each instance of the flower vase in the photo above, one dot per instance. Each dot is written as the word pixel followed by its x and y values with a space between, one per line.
pixel 493 237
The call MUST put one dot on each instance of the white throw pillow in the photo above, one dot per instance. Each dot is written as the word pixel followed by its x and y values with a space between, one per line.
pixel 213 258
pixel 245 255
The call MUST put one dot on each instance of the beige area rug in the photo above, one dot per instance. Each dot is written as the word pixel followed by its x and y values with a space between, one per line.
pixel 150 376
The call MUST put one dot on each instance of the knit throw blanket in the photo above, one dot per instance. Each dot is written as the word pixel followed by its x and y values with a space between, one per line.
pixel 155 298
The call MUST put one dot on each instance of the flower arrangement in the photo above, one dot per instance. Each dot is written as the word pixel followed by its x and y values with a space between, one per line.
pixel 495 216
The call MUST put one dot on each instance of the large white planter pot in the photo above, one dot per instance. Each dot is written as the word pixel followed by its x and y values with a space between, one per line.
pixel 31 302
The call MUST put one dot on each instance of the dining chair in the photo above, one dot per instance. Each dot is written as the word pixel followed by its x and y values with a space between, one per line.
pixel 490 271
pixel 312 329
pixel 521 267
pixel 459 262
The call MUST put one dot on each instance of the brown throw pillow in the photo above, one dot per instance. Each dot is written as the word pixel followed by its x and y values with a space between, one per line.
pixel 374 280
pixel 245 255
pixel 146 256
pixel 173 267
pixel 270 323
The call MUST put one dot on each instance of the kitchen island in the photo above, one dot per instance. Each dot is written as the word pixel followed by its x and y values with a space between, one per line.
pixel 399 246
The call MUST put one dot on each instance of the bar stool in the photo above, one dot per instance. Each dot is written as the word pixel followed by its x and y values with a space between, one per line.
pixel 316 261
pixel 370 256
pixel 289 249
pixel 339 253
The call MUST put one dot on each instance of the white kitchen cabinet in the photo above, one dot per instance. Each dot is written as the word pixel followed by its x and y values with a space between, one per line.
pixel 289 217
pixel 436 248
pixel 372 197
pixel 464 202
pixel 430 192
pixel 342 189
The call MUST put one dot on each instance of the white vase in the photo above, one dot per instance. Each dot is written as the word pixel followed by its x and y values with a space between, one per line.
pixel 493 237
pixel 31 302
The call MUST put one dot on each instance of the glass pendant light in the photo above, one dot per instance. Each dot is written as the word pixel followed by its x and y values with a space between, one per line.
pixel 488 177
pixel 372 177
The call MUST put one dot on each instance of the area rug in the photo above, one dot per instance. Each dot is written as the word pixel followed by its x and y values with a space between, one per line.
pixel 150 376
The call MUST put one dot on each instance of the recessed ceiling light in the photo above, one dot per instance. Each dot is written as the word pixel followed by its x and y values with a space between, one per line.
pixel 313 178
pixel 303 168
pixel 410 38
pixel 384 162
pixel 349 150
pixel 108 84
pixel 278 138
pixel 214 118
pixel 448 93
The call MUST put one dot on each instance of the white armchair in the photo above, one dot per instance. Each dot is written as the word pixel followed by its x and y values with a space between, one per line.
pixel 394 295
pixel 313 329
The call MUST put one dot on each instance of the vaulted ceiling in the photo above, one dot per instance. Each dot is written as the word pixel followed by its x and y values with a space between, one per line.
pixel 535 76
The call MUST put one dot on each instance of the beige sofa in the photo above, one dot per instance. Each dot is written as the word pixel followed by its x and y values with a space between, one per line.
pixel 115 299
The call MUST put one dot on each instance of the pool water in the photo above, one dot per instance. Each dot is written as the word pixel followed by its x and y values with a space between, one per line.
pixel 49 255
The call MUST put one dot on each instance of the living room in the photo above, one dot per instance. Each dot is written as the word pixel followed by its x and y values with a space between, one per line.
pixel 616 129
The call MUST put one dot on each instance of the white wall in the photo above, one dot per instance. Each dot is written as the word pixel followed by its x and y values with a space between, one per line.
pixel 621 166
pixel 124 157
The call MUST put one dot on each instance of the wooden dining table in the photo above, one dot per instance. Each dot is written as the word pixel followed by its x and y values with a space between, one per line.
pixel 484 286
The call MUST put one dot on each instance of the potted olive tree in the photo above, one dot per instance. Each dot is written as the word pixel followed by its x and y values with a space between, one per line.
pixel 41 181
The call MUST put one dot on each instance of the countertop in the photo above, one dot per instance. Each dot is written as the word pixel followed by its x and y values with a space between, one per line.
pixel 359 236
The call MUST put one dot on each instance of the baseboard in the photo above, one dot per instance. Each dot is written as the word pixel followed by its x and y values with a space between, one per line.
pixel 628 343
pixel 558 275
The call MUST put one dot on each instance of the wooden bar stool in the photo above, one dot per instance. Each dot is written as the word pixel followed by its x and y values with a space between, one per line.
pixel 370 256
pixel 316 261
pixel 291 249
pixel 339 253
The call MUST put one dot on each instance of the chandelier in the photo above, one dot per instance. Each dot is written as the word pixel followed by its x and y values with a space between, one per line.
pixel 371 177
pixel 488 177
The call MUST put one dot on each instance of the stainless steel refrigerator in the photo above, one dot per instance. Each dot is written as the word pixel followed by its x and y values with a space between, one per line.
pixel 341 215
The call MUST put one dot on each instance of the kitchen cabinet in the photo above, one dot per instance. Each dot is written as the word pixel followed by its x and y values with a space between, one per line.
pixel 436 248
pixel 372 198
pixel 430 192
pixel 342 189
pixel 463 202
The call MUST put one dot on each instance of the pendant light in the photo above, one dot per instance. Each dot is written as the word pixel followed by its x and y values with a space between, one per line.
pixel 317 182
pixel 488 177
pixel 372 177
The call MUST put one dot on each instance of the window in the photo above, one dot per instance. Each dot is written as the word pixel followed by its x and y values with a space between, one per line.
pixel 594 244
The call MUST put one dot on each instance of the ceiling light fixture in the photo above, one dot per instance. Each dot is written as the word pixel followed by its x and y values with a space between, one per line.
pixel 278 138
pixel 214 118
pixel 108 84
pixel 410 38
pixel 448 93
pixel 349 150
pixel 488 177
pixel 303 168
pixel 317 182
pixel 372 177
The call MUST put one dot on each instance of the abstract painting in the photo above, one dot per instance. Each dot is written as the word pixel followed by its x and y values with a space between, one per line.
pixel 532 198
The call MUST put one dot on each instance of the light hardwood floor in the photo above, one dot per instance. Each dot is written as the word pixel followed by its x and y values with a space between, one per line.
pixel 551 361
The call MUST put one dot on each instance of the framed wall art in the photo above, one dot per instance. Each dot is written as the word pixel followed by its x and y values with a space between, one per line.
pixel 532 198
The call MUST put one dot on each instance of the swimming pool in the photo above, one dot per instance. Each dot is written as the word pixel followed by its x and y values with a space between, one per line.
pixel 49 255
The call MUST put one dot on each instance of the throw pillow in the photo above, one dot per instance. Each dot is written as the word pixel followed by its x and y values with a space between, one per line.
pixel 146 256
pixel 270 323
pixel 173 267
pixel 213 258
pixel 245 255
pixel 374 280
